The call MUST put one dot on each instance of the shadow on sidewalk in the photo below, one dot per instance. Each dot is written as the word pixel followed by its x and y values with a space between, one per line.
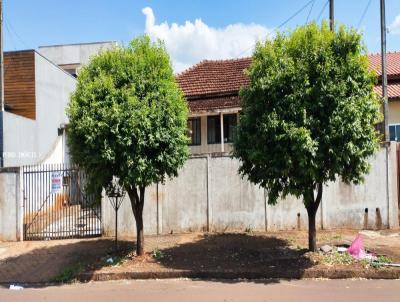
pixel 226 257
pixel 43 264
pixel 240 255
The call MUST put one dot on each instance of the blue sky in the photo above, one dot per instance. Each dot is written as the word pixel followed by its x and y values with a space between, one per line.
pixel 224 29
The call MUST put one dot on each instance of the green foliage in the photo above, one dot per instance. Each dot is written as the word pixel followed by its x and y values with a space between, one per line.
pixel 309 112
pixel 128 116
pixel 338 258
pixel 158 254
pixel 69 273
pixel 384 259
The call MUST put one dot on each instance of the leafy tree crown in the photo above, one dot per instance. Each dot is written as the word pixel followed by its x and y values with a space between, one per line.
pixel 309 112
pixel 127 117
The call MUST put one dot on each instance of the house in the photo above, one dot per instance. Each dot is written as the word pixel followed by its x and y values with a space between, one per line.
pixel 71 57
pixel 37 88
pixel 36 93
pixel 393 71
pixel 212 91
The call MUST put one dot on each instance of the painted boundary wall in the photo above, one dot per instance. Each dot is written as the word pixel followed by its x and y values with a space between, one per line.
pixel 11 210
pixel 209 195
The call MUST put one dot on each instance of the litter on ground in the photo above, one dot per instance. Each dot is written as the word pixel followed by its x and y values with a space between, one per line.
pixel 357 251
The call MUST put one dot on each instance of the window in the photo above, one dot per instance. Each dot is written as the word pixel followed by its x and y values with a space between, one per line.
pixel 194 131
pixel 230 121
pixel 394 131
pixel 214 128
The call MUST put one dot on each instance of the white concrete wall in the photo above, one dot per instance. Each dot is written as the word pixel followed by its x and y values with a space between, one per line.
pixel 126 220
pixel 185 210
pixel 10 205
pixel 289 214
pixel 394 111
pixel 209 194
pixel 235 204
pixel 53 90
pixel 20 140
pixel 344 205
pixel 74 53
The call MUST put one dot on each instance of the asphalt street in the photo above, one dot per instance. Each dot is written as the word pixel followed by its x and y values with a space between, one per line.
pixel 220 290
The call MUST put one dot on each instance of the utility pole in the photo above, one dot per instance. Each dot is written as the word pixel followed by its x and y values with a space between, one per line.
pixel 385 105
pixel 331 15
pixel 1 88
pixel 384 72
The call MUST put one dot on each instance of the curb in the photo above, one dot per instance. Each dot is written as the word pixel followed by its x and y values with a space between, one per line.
pixel 308 274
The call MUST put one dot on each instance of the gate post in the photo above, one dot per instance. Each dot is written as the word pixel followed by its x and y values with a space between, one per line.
pixel 20 203
pixel 10 204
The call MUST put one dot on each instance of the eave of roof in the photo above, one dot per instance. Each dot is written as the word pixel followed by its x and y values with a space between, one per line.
pixel 214 103
pixel 393 90
pixel 393 64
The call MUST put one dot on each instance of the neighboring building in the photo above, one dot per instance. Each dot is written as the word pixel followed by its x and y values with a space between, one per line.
pixel 212 91
pixel 36 93
pixel 38 84
pixel 71 57
pixel 393 71
pixel 37 88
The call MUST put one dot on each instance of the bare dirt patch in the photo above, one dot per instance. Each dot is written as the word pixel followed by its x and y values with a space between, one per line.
pixel 278 254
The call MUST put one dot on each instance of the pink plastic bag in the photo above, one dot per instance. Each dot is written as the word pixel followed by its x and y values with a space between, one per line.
pixel 356 249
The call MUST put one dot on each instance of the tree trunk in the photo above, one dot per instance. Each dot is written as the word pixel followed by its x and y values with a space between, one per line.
pixel 312 204
pixel 137 203
pixel 312 231
pixel 139 236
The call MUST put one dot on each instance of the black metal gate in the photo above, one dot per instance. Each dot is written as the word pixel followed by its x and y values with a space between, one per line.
pixel 56 205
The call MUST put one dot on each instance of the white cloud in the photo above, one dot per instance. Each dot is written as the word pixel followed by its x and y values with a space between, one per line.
pixel 394 28
pixel 192 42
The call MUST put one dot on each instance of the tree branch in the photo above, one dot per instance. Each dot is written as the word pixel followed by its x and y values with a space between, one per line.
pixel 319 195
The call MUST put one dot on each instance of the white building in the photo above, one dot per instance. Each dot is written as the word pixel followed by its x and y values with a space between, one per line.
pixel 37 88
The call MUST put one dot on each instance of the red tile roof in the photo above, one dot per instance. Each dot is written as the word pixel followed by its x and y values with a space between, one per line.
pixel 214 77
pixel 393 90
pixel 393 63
pixel 215 84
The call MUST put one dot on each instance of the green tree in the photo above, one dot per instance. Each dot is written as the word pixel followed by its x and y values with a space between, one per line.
pixel 308 115
pixel 128 119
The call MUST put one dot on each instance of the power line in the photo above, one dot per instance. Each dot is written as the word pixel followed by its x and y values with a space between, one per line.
pixel 5 67
pixel 364 13
pixel 12 39
pixel 282 24
pixel 309 13
pixel 322 10
pixel 11 28
pixel 295 14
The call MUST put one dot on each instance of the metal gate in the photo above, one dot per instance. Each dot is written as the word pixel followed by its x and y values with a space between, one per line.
pixel 56 205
